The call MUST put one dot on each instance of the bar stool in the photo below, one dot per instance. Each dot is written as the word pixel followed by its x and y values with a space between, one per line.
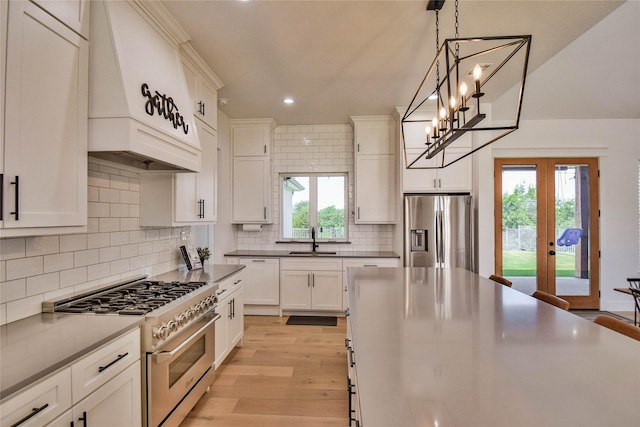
pixel 618 326
pixel 500 280
pixel 551 299
pixel 635 292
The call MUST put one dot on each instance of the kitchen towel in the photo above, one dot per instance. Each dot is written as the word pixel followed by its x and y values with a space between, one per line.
pixel 251 227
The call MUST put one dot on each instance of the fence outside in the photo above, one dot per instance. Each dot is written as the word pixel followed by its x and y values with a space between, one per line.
pixel 524 239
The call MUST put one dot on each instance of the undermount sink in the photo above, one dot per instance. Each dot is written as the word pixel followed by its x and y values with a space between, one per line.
pixel 312 253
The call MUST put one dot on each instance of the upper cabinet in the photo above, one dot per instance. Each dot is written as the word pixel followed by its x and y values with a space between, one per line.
pixel 427 175
pixel 203 86
pixel 375 169
pixel 73 13
pixel 178 199
pixel 252 195
pixel 44 176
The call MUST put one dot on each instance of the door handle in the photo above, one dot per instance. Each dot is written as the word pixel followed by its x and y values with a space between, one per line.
pixel 552 252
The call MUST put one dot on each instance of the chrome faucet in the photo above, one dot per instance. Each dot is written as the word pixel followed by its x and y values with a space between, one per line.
pixel 314 245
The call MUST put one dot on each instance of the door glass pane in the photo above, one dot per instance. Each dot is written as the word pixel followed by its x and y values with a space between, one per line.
pixel 295 207
pixel 331 216
pixel 519 220
pixel 572 227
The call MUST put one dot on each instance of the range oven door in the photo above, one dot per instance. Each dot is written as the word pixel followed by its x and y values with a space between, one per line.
pixel 175 368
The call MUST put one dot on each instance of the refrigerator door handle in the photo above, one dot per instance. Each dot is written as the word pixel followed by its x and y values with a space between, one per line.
pixel 438 240
pixel 441 231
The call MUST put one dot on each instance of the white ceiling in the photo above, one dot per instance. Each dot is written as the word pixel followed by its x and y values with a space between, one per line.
pixel 343 58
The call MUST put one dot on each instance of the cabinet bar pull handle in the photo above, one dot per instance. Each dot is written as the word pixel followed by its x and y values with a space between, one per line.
pixel 358 212
pixel 17 200
pixel 120 357
pixel 313 280
pixel 265 148
pixel 265 212
pixel 83 418
pixel 308 280
pixel 258 260
pixel 33 413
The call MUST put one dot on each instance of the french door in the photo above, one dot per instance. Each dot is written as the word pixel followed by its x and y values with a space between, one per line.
pixel 547 227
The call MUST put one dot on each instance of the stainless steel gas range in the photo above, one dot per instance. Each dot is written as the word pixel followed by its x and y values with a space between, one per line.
pixel 178 338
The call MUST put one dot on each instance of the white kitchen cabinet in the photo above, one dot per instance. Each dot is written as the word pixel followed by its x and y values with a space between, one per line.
pixel 45 125
pixel 375 169
pixel 102 389
pixel 202 84
pixel 230 325
pixel 261 284
pixel 307 284
pixel 176 199
pixel 117 403
pixel 73 13
pixel 454 178
pixel 252 192
pixel 40 403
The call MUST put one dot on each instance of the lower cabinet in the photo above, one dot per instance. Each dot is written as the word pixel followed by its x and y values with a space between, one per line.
pixel 261 284
pixel 311 284
pixel 117 403
pixel 100 389
pixel 230 325
pixel 364 262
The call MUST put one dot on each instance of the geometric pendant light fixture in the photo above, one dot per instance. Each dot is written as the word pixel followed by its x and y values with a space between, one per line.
pixel 448 104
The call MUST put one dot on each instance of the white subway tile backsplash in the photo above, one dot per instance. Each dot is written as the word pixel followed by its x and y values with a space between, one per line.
pixel 24 267
pixel 97 209
pixel 42 245
pixel 24 307
pixel 119 238
pixel 119 182
pixel 13 290
pixel 12 248
pixel 98 271
pixel 57 262
pixel 131 197
pixel 88 257
pixel 109 254
pixel 118 210
pixel 129 224
pixel 73 276
pixel 73 242
pixel 98 240
pixel 43 283
pixel 107 225
pixel 109 195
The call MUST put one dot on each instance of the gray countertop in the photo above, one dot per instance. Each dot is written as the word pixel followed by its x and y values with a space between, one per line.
pixel 38 345
pixel 286 254
pixel 446 347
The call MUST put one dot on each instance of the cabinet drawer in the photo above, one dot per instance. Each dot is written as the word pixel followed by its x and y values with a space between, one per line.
pixel 311 264
pixel 371 262
pixel 44 401
pixel 228 286
pixel 103 364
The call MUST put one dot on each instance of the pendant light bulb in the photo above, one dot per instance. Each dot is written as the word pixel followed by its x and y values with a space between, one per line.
pixel 463 88
pixel 443 113
pixel 477 72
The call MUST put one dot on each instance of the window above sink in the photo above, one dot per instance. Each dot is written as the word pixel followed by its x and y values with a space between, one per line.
pixel 314 200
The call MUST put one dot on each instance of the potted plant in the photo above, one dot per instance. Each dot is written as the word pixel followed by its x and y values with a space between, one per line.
pixel 203 254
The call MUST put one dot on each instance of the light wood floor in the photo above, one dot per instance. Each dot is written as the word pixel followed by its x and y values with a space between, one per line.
pixel 283 376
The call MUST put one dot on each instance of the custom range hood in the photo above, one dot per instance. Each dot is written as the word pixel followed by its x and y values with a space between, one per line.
pixel 140 112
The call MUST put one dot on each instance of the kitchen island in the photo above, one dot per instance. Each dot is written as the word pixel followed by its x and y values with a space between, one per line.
pixel 446 347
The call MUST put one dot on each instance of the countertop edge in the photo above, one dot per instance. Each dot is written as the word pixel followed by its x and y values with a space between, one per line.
pixel 67 361
pixel 286 254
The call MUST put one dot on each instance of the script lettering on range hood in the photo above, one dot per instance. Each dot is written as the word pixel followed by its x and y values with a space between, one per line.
pixel 140 112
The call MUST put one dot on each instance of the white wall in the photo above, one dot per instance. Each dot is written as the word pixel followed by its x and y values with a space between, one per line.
pixel 35 269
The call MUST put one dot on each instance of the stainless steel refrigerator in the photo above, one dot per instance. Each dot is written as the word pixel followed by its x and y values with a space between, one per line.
pixel 438 231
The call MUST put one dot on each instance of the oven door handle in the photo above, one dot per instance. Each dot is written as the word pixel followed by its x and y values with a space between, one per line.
pixel 163 356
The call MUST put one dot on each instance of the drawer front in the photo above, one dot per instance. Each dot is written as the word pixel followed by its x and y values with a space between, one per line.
pixel 40 403
pixel 228 286
pixel 316 264
pixel 100 366
pixel 371 262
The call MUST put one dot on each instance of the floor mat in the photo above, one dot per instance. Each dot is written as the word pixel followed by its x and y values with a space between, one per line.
pixel 312 320
pixel 592 314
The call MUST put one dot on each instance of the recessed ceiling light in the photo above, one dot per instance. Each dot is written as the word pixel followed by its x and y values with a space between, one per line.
pixel 288 101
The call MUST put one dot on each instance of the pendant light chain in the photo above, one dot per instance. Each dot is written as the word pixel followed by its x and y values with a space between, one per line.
pixel 457 32
pixel 437 48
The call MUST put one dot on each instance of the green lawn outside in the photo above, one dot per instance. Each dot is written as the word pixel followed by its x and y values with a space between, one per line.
pixel 523 263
